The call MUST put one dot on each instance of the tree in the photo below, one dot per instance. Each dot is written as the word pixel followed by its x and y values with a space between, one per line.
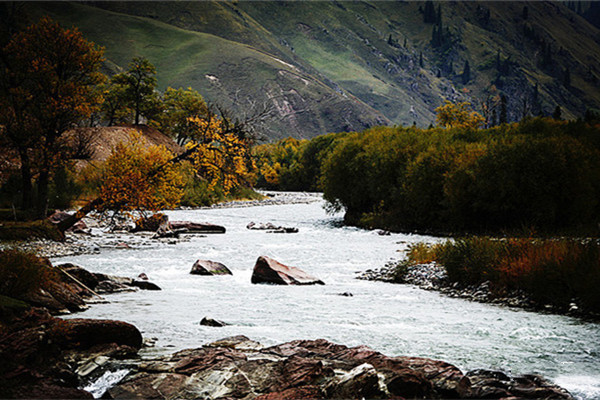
pixel 221 153
pixel 115 108
pixel 466 75
pixel 137 178
pixel 489 106
pixel 503 118
pixel 180 105
pixel 557 114
pixel 48 85
pixel 140 84
pixel 458 115
pixel 429 13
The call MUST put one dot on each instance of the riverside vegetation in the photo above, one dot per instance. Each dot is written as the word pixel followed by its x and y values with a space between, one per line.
pixel 537 177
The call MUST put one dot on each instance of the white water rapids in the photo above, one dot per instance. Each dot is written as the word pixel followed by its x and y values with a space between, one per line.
pixel 393 319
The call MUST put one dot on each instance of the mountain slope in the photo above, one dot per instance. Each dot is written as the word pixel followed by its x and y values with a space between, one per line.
pixel 235 75
pixel 333 66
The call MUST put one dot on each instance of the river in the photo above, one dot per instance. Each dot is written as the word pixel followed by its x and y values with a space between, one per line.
pixel 393 319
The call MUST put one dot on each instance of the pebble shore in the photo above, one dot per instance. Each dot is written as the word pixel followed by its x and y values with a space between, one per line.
pixel 432 276
pixel 103 237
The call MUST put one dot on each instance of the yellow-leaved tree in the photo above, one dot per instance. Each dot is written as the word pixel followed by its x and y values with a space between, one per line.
pixel 221 155
pixel 459 115
pixel 140 178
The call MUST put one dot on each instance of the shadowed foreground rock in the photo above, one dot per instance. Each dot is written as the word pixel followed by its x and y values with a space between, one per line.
pixel 40 353
pixel 267 270
pixel 207 267
pixel 310 369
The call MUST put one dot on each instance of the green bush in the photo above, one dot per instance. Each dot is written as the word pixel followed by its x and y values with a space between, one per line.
pixel 538 174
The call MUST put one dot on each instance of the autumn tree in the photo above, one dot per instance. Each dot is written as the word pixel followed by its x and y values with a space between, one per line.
pixel 48 85
pixel 139 83
pixel 139 178
pixel 221 152
pixel 459 115
pixel 179 107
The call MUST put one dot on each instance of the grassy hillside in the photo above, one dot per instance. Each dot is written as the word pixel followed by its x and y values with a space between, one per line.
pixel 335 66
pixel 230 73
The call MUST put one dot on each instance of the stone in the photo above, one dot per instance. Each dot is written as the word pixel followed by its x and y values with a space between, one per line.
pixel 360 382
pixel 80 227
pixel 270 228
pixel 196 227
pixel 82 275
pixel 207 267
pixel 212 322
pixel 316 369
pixel 110 286
pixel 268 270
pixel 145 285
pixel 85 333
pixel 58 216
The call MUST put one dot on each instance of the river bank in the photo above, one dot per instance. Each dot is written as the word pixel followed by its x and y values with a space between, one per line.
pixel 433 277
pixel 103 232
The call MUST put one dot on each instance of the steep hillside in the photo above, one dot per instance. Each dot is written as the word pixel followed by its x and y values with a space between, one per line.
pixel 334 66
pixel 233 74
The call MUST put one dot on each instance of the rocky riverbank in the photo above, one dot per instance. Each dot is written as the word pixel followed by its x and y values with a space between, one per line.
pixel 48 357
pixel 100 232
pixel 238 367
pixel 432 276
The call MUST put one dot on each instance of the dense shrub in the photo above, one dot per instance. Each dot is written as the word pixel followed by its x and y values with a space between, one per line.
pixel 539 174
pixel 551 271
pixel 21 273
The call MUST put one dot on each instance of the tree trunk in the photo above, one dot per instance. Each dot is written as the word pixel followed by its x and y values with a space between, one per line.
pixel 41 209
pixel 26 186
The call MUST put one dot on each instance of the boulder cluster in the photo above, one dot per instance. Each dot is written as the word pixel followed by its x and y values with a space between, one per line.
pixel 238 367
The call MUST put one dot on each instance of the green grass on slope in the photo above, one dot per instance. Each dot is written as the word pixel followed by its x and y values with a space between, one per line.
pixel 225 72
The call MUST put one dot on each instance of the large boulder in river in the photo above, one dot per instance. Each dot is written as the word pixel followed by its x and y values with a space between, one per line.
pixel 207 267
pixel 196 227
pixel 267 270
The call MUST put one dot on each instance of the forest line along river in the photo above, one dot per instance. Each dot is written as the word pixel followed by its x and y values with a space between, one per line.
pixel 392 319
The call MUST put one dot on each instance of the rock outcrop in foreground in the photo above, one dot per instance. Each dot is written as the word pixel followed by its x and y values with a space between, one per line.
pixel 309 369
pixel 267 270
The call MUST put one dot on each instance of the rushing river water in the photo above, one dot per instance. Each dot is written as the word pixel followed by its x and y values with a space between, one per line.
pixel 393 319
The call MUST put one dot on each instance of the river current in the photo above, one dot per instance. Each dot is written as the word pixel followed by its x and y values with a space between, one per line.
pixel 392 319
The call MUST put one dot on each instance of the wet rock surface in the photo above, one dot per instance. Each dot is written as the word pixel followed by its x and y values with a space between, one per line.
pixel 208 267
pixel 270 228
pixel 47 357
pixel 268 270
pixel 212 322
pixel 238 367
